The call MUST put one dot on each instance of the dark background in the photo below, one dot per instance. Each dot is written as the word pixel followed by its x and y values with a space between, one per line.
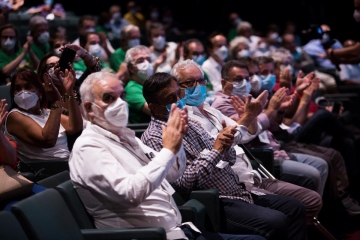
pixel 210 15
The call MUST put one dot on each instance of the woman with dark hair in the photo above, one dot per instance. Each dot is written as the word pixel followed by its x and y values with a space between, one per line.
pixel 39 132
pixel 12 56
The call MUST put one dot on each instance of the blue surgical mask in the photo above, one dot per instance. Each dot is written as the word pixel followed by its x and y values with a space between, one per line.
pixel 199 59
pixel 180 104
pixel 268 82
pixel 195 96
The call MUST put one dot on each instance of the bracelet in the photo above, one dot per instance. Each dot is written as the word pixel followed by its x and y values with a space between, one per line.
pixel 69 97
pixel 298 95
pixel 54 106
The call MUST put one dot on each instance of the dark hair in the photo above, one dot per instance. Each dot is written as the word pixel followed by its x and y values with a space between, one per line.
pixel 83 41
pixel 41 69
pixel 264 60
pixel 187 43
pixel 154 25
pixel 209 44
pixel 154 84
pixel 230 64
pixel 32 78
pixel 9 25
pixel 248 61
pixel 83 18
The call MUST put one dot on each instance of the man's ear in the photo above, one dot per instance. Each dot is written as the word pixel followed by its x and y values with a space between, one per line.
pixel 88 109
pixel 151 107
pixel 223 83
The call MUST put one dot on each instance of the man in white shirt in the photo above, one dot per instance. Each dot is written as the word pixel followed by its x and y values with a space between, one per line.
pixel 122 182
pixel 218 52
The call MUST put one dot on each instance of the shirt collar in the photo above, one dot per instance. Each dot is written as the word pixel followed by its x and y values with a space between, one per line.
pixel 214 63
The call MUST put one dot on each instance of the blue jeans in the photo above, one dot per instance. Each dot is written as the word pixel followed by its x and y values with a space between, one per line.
pixel 271 216
pixel 304 170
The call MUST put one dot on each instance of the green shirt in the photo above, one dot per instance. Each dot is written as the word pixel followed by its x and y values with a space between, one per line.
pixel 231 34
pixel 80 67
pixel 5 59
pixel 117 58
pixel 39 52
pixel 135 99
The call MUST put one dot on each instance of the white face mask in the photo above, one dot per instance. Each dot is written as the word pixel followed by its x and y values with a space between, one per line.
pixel 222 52
pixel 242 88
pixel 255 83
pixel 57 52
pixel 26 99
pixel 52 75
pixel 133 43
pixel 8 44
pixel 145 70
pixel 243 53
pixel 95 50
pixel 159 42
pixel 44 38
pixel 116 114
pixel 357 15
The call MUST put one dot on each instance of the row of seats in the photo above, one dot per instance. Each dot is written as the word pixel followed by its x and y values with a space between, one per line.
pixel 58 213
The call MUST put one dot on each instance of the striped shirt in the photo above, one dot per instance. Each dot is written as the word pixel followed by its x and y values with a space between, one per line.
pixel 206 167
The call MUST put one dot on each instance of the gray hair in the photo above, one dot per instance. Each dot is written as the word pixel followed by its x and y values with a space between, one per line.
pixel 182 65
pixel 236 41
pixel 129 60
pixel 86 88
pixel 243 25
pixel 281 54
pixel 36 20
pixel 128 28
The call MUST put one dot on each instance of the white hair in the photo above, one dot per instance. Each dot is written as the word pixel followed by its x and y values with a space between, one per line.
pixel 236 41
pixel 242 25
pixel 129 57
pixel 86 88
pixel 36 20
pixel 182 65
pixel 281 55
pixel 127 29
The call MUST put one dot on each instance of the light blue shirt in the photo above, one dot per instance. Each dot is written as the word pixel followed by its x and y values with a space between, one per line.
pixel 314 47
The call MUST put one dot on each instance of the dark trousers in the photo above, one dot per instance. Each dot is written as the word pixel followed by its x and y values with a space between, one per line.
pixel 323 124
pixel 271 216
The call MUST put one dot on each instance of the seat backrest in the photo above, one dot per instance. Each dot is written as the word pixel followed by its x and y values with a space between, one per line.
pixel 10 228
pixel 53 181
pixel 5 94
pixel 75 205
pixel 46 216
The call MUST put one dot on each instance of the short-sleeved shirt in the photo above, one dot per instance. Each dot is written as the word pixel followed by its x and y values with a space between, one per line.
pixel 39 52
pixel 80 67
pixel 5 59
pixel 135 99
pixel 117 58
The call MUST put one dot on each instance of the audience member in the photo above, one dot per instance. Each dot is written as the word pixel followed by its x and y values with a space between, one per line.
pixel 164 54
pixel 92 45
pixel 218 52
pixel 350 73
pixel 12 56
pixel 39 31
pixel 39 132
pixel 134 16
pixel 139 65
pixel 86 25
pixel 48 10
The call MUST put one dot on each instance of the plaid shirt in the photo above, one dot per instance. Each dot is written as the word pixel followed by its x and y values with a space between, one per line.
pixel 201 171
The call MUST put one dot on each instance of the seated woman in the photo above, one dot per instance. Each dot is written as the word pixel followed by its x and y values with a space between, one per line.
pixel 39 132
pixel 7 147
pixel 12 56
pixel 92 44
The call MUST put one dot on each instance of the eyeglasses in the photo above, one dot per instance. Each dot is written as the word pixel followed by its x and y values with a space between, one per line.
pixel 238 83
pixel 50 65
pixel 6 37
pixel 193 83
